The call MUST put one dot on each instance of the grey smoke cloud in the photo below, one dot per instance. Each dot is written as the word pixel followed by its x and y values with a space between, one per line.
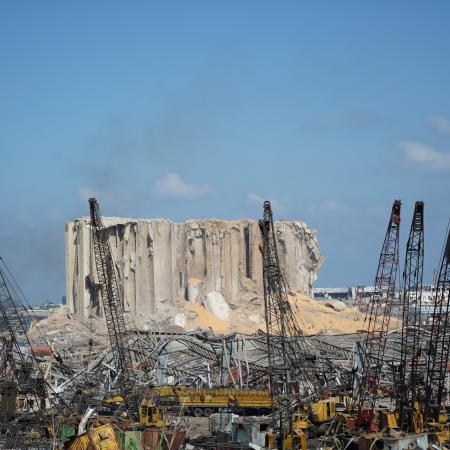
pixel 34 252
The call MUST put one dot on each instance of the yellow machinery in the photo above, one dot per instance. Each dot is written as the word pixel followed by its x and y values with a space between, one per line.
pixel 321 412
pixel 417 422
pixel 203 401
pixel 387 420
pixel 325 410
pixel 414 418
pixel 441 429
pixel 300 425
pixel 99 438
pixel 117 400
pixel 150 415
pixel 297 438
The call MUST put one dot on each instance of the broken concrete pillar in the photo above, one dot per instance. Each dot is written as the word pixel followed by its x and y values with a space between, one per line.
pixel 162 264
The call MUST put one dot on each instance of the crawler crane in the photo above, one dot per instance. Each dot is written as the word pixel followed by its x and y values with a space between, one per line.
pixel 378 323
pixel 438 351
pixel 111 298
pixel 412 367
pixel 296 378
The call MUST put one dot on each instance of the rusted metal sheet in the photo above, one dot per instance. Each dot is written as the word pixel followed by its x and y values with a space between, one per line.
pixel 150 438
pixel 8 395
pixel 41 350
pixel 175 439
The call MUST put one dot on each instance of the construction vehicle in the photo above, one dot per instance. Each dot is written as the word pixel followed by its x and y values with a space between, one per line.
pixel 367 384
pixel 112 300
pixel 294 372
pixel 298 376
pixel 412 366
pixel 297 438
pixel 300 427
pixel 281 331
pixel 441 429
pixel 205 401
pixel 151 415
pixel 324 411
pixel 387 420
pixel 435 419
pixel 292 363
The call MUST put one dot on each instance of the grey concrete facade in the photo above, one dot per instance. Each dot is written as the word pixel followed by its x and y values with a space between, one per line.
pixel 161 263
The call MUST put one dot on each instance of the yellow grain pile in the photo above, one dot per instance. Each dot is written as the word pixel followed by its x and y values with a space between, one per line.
pixel 313 317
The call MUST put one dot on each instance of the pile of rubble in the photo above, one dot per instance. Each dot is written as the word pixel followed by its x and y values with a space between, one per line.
pixel 214 313
pixel 313 317
pixel 62 328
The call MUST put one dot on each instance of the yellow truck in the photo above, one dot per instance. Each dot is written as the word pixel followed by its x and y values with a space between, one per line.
pixel 203 401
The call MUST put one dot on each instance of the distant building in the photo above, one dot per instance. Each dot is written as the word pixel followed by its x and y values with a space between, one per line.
pixel 47 305
pixel 339 293
pixel 362 294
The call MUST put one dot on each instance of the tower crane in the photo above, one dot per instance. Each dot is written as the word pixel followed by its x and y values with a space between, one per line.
pixel 378 320
pixel 411 367
pixel 111 298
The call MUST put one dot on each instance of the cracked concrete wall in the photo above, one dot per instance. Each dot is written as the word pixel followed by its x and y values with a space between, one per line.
pixel 162 264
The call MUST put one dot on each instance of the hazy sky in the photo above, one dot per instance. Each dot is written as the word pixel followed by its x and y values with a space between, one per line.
pixel 203 109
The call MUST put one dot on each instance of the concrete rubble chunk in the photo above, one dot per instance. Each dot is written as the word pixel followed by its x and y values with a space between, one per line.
pixel 217 305
pixel 337 305
pixel 180 320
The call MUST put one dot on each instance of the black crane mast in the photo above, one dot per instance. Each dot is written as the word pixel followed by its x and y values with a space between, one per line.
pixel 289 358
pixel 411 369
pixel 439 343
pixel 111 297
pixel 378 319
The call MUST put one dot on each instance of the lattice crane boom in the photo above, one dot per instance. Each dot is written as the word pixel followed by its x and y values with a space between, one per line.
pixel 292 364
pixel 111 295
pixel 275 299
pixel 439 343
pixel 378 317
pixel 410 356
